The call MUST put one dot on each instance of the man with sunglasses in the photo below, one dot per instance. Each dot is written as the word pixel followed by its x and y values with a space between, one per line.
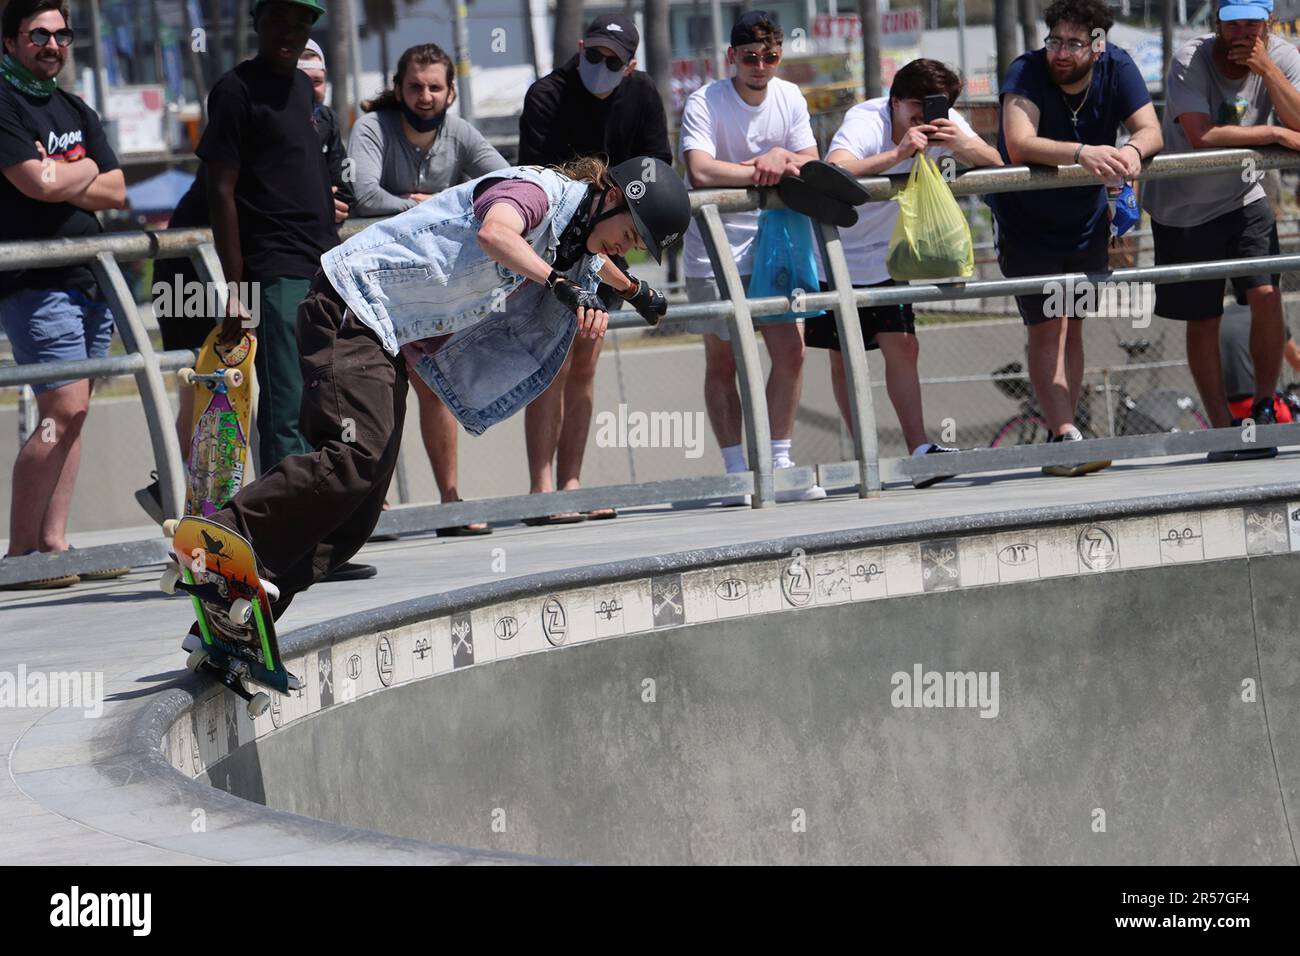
pixel 599 105
pixel 751 129
pixel 1064 105
pixel 1222 89
pixel 58 170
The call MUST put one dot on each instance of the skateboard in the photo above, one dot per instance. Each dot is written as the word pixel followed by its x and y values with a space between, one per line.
pixel 222 379
pixel 234 636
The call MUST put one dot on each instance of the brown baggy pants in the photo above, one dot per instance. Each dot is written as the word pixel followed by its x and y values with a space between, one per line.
pixel 312 512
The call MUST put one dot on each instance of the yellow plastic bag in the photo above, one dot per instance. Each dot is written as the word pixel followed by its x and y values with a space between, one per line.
pixel 931 238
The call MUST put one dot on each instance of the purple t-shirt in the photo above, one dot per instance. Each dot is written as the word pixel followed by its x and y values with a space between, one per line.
pixel 527 199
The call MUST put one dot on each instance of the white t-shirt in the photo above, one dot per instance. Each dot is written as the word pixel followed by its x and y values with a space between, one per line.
pixel 868 131
pixel 718 122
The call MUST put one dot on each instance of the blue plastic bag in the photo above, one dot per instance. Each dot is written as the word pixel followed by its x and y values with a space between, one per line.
pixel 1124 211
pixel 785 259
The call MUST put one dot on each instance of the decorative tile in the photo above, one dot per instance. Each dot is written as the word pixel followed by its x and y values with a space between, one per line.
pixel 978 560
pixel 1139 543
pixel 667 603
pixel 1223 534
pixel 697 596
pixel 1293 514
pixel 580 610
pixel 867 574
pixel 1017 555
pixel 939 568
pixel 1058 552
pixel 503 622
pixel 833 584
pixel 461 636
pixel 608 603
pixel 1180 537
pixel 404 655
pixel 638 606
pixel 798 588
pixel 765 595
pixel 555 620
pixel 732 586
pixel 1097 547
pixel 903 568
pixel 1266 529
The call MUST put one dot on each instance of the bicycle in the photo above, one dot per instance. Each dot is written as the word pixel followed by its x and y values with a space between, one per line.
pixel 1153 411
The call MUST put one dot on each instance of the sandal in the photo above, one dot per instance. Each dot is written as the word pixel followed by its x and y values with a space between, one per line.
pixel 834 181
pixel 567 517
pixel 802 197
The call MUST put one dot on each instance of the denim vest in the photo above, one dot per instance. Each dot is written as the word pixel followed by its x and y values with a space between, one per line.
pixel 423 273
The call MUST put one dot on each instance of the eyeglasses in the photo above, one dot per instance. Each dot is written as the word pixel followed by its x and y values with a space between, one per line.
pixel 611 62
pixel 769 59
pixel 1075 47
pixel 41 36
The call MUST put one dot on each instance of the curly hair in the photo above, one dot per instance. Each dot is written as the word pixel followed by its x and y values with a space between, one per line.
pixel 1092 14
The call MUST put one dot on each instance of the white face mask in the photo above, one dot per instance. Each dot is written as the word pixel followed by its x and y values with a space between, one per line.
pixel 598 78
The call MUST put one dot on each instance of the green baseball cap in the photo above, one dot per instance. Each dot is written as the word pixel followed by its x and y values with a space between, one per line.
pixel 313 5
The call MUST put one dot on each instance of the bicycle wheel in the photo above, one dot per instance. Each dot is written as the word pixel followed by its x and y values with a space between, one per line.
pixel 1022 430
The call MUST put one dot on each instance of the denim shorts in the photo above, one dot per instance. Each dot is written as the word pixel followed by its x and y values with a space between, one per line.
pixel 48 325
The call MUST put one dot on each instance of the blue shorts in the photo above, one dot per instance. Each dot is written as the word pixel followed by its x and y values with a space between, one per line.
pixel 48 325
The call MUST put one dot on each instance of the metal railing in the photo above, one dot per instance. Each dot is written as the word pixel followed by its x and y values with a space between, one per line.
pixel 865 472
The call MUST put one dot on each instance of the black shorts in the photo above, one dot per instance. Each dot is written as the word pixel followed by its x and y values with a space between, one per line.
pixel 1241 234
pixel 180 331
pixel 1018 260
pixel 821 332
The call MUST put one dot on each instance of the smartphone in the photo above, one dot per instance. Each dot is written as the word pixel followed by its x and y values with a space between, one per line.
pixel 934 107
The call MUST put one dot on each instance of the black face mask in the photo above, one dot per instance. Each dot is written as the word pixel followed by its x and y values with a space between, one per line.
pixel 573 240
pixel 418 122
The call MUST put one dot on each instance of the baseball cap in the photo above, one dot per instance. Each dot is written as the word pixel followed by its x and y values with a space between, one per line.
pixel 616 31
pixel 1245 9
pixel 742 31
pixel 306 64
pixel 313 5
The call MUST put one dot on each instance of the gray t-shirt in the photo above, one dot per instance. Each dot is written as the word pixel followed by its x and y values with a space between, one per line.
pixel 1197 86
pixel 388 166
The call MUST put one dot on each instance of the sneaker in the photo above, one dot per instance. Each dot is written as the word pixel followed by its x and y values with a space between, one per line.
pixel 1248 454
pixel 1263 412
pixel 150 498
pixel 351 571
pixel 931 448
pixel 1072 471
pixel 58 581
pixel 811 493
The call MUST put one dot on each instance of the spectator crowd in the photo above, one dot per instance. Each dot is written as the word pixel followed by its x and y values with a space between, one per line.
pixel 275 182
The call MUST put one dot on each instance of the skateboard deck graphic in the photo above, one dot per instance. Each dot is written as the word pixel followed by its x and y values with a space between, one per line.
pixel 223 382
pixel 236 629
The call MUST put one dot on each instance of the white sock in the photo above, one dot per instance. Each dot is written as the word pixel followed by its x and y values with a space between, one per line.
pixel 733 457
pixel 781 453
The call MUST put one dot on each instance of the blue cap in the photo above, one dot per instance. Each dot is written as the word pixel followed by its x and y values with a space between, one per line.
pixel 1245 9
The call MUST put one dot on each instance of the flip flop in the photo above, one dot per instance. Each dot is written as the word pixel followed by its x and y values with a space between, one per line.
pixel 602 514
pixel 834 181
pixel 462 531
pixel 801 197
pixel 567 518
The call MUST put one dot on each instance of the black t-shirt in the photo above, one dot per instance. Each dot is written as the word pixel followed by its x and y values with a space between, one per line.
pixel 260 121
pixel 69 130
pixel 561 120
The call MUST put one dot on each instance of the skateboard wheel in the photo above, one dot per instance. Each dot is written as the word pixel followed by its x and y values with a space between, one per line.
pixel 186 375
pixel 272 592
pixel 169 527
pixel 233 377
pixel 241 612
pixel 170 577
pixel 196 660
pixel 258 705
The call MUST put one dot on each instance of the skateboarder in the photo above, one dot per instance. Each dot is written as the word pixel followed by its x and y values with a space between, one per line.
pixel 480 291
